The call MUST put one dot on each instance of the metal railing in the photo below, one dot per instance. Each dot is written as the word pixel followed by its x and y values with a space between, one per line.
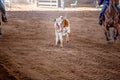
pixel 47 3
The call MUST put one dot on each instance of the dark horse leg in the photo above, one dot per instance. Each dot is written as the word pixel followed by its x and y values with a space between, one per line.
pixel 0 27
pixel 107 33
pixel 0 32
pixel 0 22
pixel 115 33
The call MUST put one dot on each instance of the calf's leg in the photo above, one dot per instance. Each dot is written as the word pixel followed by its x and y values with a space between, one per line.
pixel 61 40
pixel 56 39
pixel 67 37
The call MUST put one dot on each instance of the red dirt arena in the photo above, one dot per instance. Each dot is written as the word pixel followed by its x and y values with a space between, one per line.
pixel 28 51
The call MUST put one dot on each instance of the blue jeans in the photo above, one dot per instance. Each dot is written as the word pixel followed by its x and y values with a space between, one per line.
pixel 2 8
pixel 103 10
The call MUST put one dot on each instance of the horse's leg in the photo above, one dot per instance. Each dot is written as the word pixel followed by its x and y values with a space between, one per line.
pixel 0 23
pixel 0 31
pixel 0 27
pixel 107 33
pixel 115 33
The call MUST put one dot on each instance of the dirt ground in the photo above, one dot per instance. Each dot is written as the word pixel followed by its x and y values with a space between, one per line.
pixel 28 51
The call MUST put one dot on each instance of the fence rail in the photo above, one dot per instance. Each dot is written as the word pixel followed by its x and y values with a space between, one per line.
pixel 47 3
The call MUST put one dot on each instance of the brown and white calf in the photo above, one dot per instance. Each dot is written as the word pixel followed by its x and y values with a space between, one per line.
pixel 62 28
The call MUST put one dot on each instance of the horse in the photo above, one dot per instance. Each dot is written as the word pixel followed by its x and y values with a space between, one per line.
pixel 111 20
pixel 0 23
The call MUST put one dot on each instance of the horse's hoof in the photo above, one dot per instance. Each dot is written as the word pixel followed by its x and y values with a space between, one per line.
pixel 115 38
pixel 108 39
pixel 117 34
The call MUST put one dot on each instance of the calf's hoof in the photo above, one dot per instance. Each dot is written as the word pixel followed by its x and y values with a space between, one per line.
pixel 61 46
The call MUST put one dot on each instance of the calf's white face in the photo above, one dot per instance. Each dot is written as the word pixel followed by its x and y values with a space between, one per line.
pixel 57 24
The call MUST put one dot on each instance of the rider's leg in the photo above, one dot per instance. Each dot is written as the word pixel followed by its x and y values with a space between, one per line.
pixel 101 13
pixel 2 8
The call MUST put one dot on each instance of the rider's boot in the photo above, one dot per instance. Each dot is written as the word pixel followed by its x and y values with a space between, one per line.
pixel 100 21
pixel 4 18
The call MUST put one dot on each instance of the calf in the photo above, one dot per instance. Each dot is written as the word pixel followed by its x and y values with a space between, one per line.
pixel 62 28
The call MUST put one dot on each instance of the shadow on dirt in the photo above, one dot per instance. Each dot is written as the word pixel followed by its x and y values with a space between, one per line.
pixel 4 74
